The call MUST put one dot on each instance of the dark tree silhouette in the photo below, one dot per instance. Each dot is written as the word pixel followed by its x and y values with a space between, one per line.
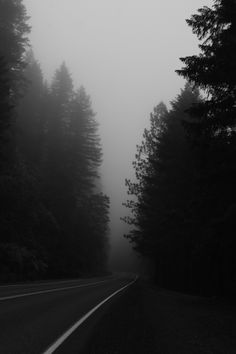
pixel 51 207
pixel 212 129
pixel 71 175
pixel 31 122
pixel 5 107
pixel 214 69
pixel 17 244
pixel 13 42
pixel 184 198
pixel 163 194
pixel 14 32
pixel 57 180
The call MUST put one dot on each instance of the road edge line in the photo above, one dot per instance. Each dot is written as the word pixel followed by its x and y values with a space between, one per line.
pixel 39 283
pixel 41 292
pixel 66 334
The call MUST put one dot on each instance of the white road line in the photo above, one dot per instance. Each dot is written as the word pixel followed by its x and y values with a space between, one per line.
pixel 48 282
pixel 65 335
pixel 37 284
pixel 11 297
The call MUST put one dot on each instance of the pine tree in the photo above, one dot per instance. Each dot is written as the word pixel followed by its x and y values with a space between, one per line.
pixel 71 174
pixel 164 193
pixel 30 121
pixel 14 32
pixel 58 188
pixel 54 218
pixel 5 109
pixel 212 128
pixel 13 42
pixel 144 188
pixel 90 218
pixel 214 69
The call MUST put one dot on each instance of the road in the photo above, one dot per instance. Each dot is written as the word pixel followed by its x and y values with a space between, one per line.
pixel 38 318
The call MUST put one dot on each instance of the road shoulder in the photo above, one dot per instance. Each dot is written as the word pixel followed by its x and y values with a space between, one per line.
pixel 149 320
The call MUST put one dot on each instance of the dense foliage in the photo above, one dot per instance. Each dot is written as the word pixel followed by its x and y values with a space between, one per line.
pixel 214 69
pixel 54 217
pixel 162 195
pixel 183 208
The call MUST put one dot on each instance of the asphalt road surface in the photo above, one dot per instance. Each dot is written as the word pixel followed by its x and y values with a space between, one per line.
pixel 54 317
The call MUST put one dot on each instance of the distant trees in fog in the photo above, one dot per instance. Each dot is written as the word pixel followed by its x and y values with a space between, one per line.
pixel 54 217
pixel 183 205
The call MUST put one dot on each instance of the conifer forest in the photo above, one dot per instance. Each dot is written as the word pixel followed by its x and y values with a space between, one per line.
pixel 183 200
pixel 180 212
pixel 54 216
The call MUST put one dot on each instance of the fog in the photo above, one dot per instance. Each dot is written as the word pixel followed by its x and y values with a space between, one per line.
pixel 125 53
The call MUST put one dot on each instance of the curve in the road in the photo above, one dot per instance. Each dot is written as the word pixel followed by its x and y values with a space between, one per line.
pixel 65 335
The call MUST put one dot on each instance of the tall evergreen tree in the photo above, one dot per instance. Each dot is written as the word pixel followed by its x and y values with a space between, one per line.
pixel 71 163
pixel 57 180
pixel 86 155
pixel 31 123
pixel 14 32
pixel 54 219
pixel 214 69
pixel 13 41
pixel 164 192
pixel 213 131
pixel 5 109
pixel 91 214
pixel 17 190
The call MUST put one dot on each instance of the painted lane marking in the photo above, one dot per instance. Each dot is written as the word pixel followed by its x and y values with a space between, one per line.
pixel 37 284
pixel 49 282
pixel 11 297
pixel 65 335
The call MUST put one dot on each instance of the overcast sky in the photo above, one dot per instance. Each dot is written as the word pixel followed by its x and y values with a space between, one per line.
pixel 125 53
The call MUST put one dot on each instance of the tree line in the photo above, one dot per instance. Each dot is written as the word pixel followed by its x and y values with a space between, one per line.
pixel 182 204
pixel 54 216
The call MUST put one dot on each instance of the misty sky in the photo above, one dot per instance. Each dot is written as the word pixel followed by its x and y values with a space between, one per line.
pixel 125 53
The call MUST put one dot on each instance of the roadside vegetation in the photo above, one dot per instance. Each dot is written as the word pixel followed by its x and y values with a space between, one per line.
pixel 53 214
pixel 182 204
